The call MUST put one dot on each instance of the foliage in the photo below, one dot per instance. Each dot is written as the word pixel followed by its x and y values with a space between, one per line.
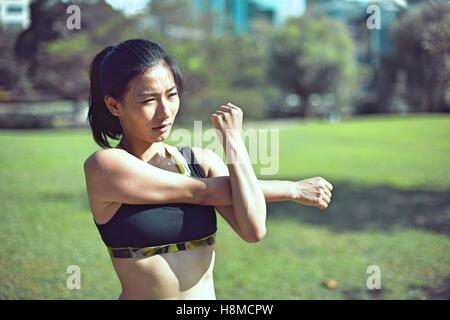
pixel 58 63
pixel 421 39
pixel 313 55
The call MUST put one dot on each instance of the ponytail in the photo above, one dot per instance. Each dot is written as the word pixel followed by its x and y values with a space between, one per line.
pixel 102 122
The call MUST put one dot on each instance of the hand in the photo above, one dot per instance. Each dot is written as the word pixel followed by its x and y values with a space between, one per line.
pixel 227 119
pixel 314 192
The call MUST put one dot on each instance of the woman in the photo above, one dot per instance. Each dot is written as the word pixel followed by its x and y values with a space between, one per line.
pixel 154 203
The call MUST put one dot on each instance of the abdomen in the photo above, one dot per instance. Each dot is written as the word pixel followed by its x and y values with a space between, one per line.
pixel 184 274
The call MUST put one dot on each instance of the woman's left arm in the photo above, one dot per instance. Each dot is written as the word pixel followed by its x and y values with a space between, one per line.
pixel 312 191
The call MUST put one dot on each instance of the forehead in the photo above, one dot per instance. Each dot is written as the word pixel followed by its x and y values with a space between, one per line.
pixel 157 80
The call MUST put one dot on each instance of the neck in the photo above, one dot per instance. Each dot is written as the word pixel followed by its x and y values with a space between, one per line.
pixel 142 149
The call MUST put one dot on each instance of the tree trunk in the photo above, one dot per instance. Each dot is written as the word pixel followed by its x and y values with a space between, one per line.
pixel 305 110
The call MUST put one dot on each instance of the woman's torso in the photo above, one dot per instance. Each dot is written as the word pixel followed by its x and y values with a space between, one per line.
pixel 186 274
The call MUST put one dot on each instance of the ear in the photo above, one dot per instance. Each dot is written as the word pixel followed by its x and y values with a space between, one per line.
pixel 113 105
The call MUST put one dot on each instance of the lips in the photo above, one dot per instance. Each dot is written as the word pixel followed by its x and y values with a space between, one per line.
pixel 162 126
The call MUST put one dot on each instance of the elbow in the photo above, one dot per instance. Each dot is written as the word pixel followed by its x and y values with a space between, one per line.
pixel 258 231
pixel 201 196
pixel 256 235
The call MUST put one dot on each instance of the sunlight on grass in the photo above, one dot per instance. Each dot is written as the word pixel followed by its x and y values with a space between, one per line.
pixel 390 208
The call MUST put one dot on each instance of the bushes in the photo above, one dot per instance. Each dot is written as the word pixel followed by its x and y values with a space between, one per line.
pixel 200 105
pixel 25 121
pixel 44 114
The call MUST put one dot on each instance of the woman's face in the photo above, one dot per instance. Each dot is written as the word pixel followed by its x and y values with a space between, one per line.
pixel 151 101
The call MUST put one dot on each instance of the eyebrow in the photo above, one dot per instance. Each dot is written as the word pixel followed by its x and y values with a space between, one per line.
pixel 145 94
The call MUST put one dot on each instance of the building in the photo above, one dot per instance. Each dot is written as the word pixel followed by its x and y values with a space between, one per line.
pixel 372 44
pixel 243 16
pixel 15 14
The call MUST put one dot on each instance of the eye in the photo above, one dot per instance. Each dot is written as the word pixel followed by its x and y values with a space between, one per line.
pixel 148 101
pixel 173 94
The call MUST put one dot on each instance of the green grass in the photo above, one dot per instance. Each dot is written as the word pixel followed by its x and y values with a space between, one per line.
pixel 390 208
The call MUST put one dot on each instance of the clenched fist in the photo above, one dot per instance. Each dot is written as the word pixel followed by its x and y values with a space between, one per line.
pixel 314 192
pixel 227 118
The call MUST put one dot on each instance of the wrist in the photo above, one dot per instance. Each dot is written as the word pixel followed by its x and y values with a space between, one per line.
pixel 292 191
pixel 234 146
pixel 231 135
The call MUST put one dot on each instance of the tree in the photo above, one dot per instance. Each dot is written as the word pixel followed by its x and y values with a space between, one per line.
pixel 223 69
pixel 422 54
pixel 217 68
pixel 59 63
pixel 8 65
pixel 313 55
pixel 170 13
pixel 46 25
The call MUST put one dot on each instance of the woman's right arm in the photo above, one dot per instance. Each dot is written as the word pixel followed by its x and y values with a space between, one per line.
pixel 113 175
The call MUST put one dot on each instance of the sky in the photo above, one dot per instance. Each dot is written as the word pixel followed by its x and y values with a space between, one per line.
pixel 284 8
pixel 129 6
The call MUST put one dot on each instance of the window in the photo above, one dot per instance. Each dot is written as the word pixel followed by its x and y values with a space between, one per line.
pixel 14 25
pixel 14 9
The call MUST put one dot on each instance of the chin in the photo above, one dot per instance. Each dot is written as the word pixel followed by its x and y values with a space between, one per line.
pixel 161 137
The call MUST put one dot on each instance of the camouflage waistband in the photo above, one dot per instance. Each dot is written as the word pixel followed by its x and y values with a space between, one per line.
pixel 132 252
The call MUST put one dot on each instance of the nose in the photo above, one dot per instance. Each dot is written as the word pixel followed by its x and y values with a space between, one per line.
pixel 164 109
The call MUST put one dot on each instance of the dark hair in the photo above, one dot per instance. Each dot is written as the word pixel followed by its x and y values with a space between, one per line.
pixel 110 73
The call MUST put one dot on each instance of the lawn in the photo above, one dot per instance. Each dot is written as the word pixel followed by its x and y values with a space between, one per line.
pixel 390 208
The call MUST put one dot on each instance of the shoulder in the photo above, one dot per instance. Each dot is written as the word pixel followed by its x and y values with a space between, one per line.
pixel 210 161
pixel 103 155
pixel 102 159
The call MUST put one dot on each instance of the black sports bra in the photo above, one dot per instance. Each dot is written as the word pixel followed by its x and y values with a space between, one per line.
pixel 149 229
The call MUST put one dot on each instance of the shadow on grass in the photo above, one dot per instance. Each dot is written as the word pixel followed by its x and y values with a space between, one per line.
pixel 439 292
pixel 76 200
pixel 355 208
pixel 361 294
